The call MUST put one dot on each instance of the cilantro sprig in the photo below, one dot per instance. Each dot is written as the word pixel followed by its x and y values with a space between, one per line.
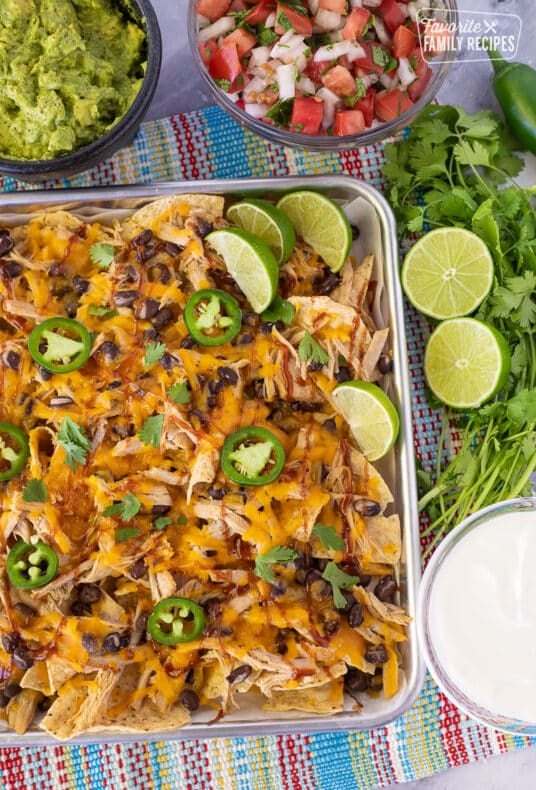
pixel 153 353
pixel 328 537
pixel 34 491
pixel 102 254
pixel 339 580
pixel 127 508
pixel 151 431
pixel 311 351
pixel 74 440
pixel 277 554
pixel 179 392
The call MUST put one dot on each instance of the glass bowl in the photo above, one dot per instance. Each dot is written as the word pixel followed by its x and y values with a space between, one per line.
pixel 119 135
pixel 468 647
pixel 323 142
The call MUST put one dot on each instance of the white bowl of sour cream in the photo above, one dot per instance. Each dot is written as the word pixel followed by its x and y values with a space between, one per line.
pixel 477 616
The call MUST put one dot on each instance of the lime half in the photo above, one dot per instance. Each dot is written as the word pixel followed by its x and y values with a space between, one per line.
pixel 250 261
pixel 372 418
pixel 321 223
pixel 447 273
pixel 268 223
pixel 466 362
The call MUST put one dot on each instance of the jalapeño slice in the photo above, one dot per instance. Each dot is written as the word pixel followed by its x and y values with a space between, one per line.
pixel 14 450
pixel 30 566
pixel 60 345
pixel 212 317
pixel 252 456
pixel 176 620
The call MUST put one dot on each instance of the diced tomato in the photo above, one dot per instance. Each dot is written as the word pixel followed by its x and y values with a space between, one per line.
pixel 339 81
pixel 367 61
pixel 260 12
pixel 339 6
pixel 244 41
pixel 356 24
pixel 315 69
pixel 390 104
pixel 423 72
pixel 212 9
pixel 225 63
pixel 404 42
pixel 237 5
pixel 207 50
pixel 392 15
pixel 366 106
pixel 348 122
pixel 307 114
pixel 300 23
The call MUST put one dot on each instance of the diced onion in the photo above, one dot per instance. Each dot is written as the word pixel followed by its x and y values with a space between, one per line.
pixel 217 29
pixel 330 101
pixel 370 79
pixel 332 51
pixel 286 79
pixel 313 6
pixel 306 85
pixel 381 31
pixel 388 82
pixel 327 20
pixel 405 73
pixel 256 85
pixel 259 56
pixel 355 52
pixel 356 3
pixel 404 8
pixel 256 110
pixel 270 20
pixel 202 21
pixel 415 6
pixel 372 3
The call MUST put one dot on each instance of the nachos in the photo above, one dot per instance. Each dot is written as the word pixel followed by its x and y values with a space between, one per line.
pixel 185 518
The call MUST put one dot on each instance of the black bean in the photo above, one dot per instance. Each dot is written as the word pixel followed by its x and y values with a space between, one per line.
pixel 303 406
pixel 112 643
pixel 367 507
pixel 12 269
pixel 266 329
pixel 189 699
pixel 45 374
pixel 113 385
pixel 148 309
pixel 279 588
pixel 319 589
pixel 90 643
pixel 355 615
pixel 55 269
pixel 331 622
pixel 364 580
pixel 162 317
pixel 281 643
pixel 163 273
pixel 320 563
pixel 4 701
pixel 88 593
pixel 80 609
pixel 80 285
pixel 71 308
pixel 6 244
pixel 141 621
pixel 142 238
pixel 212 402
pixel 11 689
pixel 301 575
pixel 315 366
pixel 60 402
pixel 385 589
pixel 215 386
pixel 25 610
pixel 343 374
pixel 151 334
pixel 144 254
pixel 22 659
pixel 125 298
pixel 356 680
pixel 109 349
pixel 124 641
pixel 377 654
pixel 385 364
pixel 216 493
pixel 245 340
pixel 327 285
pixel 188 342
pixel 201 416
pixel 227 375
pixel 203 227
pixel 44 704
pixel 4 232
pixel 172 249
pixel 168 361
pixel 138 569
pixel 160 510
pixel 239 674
pixel 351 567
pixel 330 425
pixel 11 359
pixel 9 642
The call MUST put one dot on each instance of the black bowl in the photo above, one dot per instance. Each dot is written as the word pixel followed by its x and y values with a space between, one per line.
pixel 120 135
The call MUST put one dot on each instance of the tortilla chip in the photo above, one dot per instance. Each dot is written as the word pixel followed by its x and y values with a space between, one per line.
pixel 325 700
pixel 148 718
pixel 172 209
pixel 382 541
pixel 79 705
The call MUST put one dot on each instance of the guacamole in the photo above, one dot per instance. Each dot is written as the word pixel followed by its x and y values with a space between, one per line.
pixel 69 70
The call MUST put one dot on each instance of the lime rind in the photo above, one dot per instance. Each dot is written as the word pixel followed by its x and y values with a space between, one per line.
pixel 250 261
pixel 371 416
pixel 321 223
pixel 466 362
pixel 448 273
pixel 266 221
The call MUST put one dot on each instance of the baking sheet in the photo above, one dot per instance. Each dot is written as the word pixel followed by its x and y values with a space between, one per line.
pixel 368 210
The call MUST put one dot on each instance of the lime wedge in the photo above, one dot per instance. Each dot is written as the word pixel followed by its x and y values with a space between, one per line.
pixel 466 362
pixel 268 223
pixel 447 273
pixel 250 261
pixel 372 418
pixel 321 223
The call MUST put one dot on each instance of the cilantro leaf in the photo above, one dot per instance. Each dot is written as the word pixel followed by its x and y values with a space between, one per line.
pixel 266 35
pixel 182 520
pixel 162 522
pixel 311 351
pixel 179 392
pixel 277 554
pixel 281 112
pixel 128 507
pixel 34 491
pixel 102 254
pixel 339 580
pixel 153 352
pixel 74 440
pixel 379 56
pixel 122 534
pixel 279 310
pixel 101 311
pixel 328 537
pixel 151 431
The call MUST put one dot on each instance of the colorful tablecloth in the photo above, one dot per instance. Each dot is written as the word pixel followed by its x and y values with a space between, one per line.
pixel 433 735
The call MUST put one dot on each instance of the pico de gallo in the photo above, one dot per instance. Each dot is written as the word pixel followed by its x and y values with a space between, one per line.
pixel 316 67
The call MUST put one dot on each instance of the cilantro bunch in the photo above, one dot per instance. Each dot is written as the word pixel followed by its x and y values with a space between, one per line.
pixel 459 169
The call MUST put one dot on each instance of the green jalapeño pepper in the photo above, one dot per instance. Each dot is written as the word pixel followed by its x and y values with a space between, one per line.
pixel 30 565
pixel 14 450
pixel 212 317
pixel 176 620
pixel 60 345
pixel 252 456
pixel 515 88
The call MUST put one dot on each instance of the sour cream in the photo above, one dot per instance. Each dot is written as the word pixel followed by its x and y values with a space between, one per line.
pixel 482 615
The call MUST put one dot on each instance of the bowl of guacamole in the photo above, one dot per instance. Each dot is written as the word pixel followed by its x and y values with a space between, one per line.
pixel 77 77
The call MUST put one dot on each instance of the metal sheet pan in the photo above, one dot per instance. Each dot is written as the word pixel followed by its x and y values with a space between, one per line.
pixel 398 468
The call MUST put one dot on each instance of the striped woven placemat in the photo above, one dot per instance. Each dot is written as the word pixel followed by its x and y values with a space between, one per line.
pixel 433 735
